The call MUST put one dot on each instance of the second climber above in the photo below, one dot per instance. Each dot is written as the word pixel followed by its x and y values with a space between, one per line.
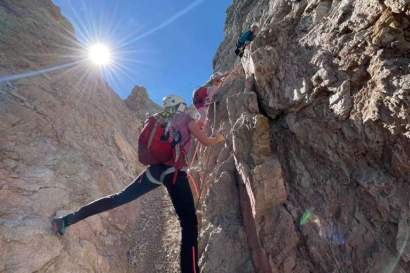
pixel 246 38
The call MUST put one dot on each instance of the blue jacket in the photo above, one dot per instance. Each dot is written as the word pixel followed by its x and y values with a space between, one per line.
pixel 245 37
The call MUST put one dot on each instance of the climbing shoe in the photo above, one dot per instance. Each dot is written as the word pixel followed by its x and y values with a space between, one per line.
pixel 58 225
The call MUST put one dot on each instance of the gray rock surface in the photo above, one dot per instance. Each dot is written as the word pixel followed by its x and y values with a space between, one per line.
pixel 313 177
pixel 321 146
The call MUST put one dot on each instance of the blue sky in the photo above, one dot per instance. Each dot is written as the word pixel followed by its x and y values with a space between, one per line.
pixel 164 55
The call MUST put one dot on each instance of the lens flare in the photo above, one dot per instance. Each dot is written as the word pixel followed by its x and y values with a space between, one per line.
pixel 306 217
pixel 99 54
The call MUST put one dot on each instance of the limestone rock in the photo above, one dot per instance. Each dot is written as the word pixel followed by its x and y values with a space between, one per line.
pixel 398 6
pixel 139 102
pixel 341 102
pixel 313 176
pixel 320 147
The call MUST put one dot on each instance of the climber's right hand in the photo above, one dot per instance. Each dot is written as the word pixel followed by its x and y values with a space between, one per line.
pixel 219 138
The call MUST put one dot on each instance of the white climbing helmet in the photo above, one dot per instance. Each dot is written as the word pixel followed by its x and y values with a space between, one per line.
pixel 172 100
pixel 255 25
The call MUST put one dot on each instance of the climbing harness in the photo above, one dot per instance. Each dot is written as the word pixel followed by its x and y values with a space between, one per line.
pixel 161 179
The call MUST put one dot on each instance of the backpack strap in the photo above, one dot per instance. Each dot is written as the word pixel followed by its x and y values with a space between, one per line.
pixel 177 152
pixel 151 136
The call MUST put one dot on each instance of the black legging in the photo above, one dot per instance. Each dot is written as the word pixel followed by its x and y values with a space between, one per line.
pixel 181 197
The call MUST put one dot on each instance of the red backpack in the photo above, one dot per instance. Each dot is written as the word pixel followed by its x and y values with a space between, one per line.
pixel 200 96
pixel 156 144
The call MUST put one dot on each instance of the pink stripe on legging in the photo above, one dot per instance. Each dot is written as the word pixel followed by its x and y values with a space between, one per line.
pixel 193 260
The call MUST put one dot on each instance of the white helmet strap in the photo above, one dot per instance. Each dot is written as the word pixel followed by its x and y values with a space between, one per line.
pixel 181 107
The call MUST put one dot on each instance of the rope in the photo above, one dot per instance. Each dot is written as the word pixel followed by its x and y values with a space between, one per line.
pixel 197 148
pixel 194 185
pixel 214 122
pixel 193 259
pixel 194 155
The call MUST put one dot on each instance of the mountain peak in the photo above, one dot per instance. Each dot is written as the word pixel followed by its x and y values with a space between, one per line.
pixel 139 101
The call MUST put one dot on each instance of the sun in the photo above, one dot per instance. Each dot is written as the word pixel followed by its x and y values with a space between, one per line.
pixel 99 54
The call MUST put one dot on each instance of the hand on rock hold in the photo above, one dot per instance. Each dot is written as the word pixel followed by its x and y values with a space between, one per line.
pixel 219 138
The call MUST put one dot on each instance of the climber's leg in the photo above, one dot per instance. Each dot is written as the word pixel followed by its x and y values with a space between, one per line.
pixel 181 196
pixel 138 187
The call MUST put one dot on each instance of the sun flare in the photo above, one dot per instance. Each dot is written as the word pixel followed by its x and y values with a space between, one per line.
pixel 99 54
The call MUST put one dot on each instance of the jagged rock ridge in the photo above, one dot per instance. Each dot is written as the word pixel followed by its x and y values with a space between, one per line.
pixel 139 102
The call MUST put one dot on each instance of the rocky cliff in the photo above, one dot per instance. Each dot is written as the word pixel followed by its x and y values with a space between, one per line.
pixel 313 177
pixel 315 173
pixel 66 139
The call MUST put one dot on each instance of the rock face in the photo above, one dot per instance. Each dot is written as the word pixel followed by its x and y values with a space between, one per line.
pixel 315 173
pixel 139 102
pixel 313 177
pixel 66 139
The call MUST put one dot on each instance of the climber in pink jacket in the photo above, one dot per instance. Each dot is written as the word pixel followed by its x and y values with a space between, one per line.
pixel 205 95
